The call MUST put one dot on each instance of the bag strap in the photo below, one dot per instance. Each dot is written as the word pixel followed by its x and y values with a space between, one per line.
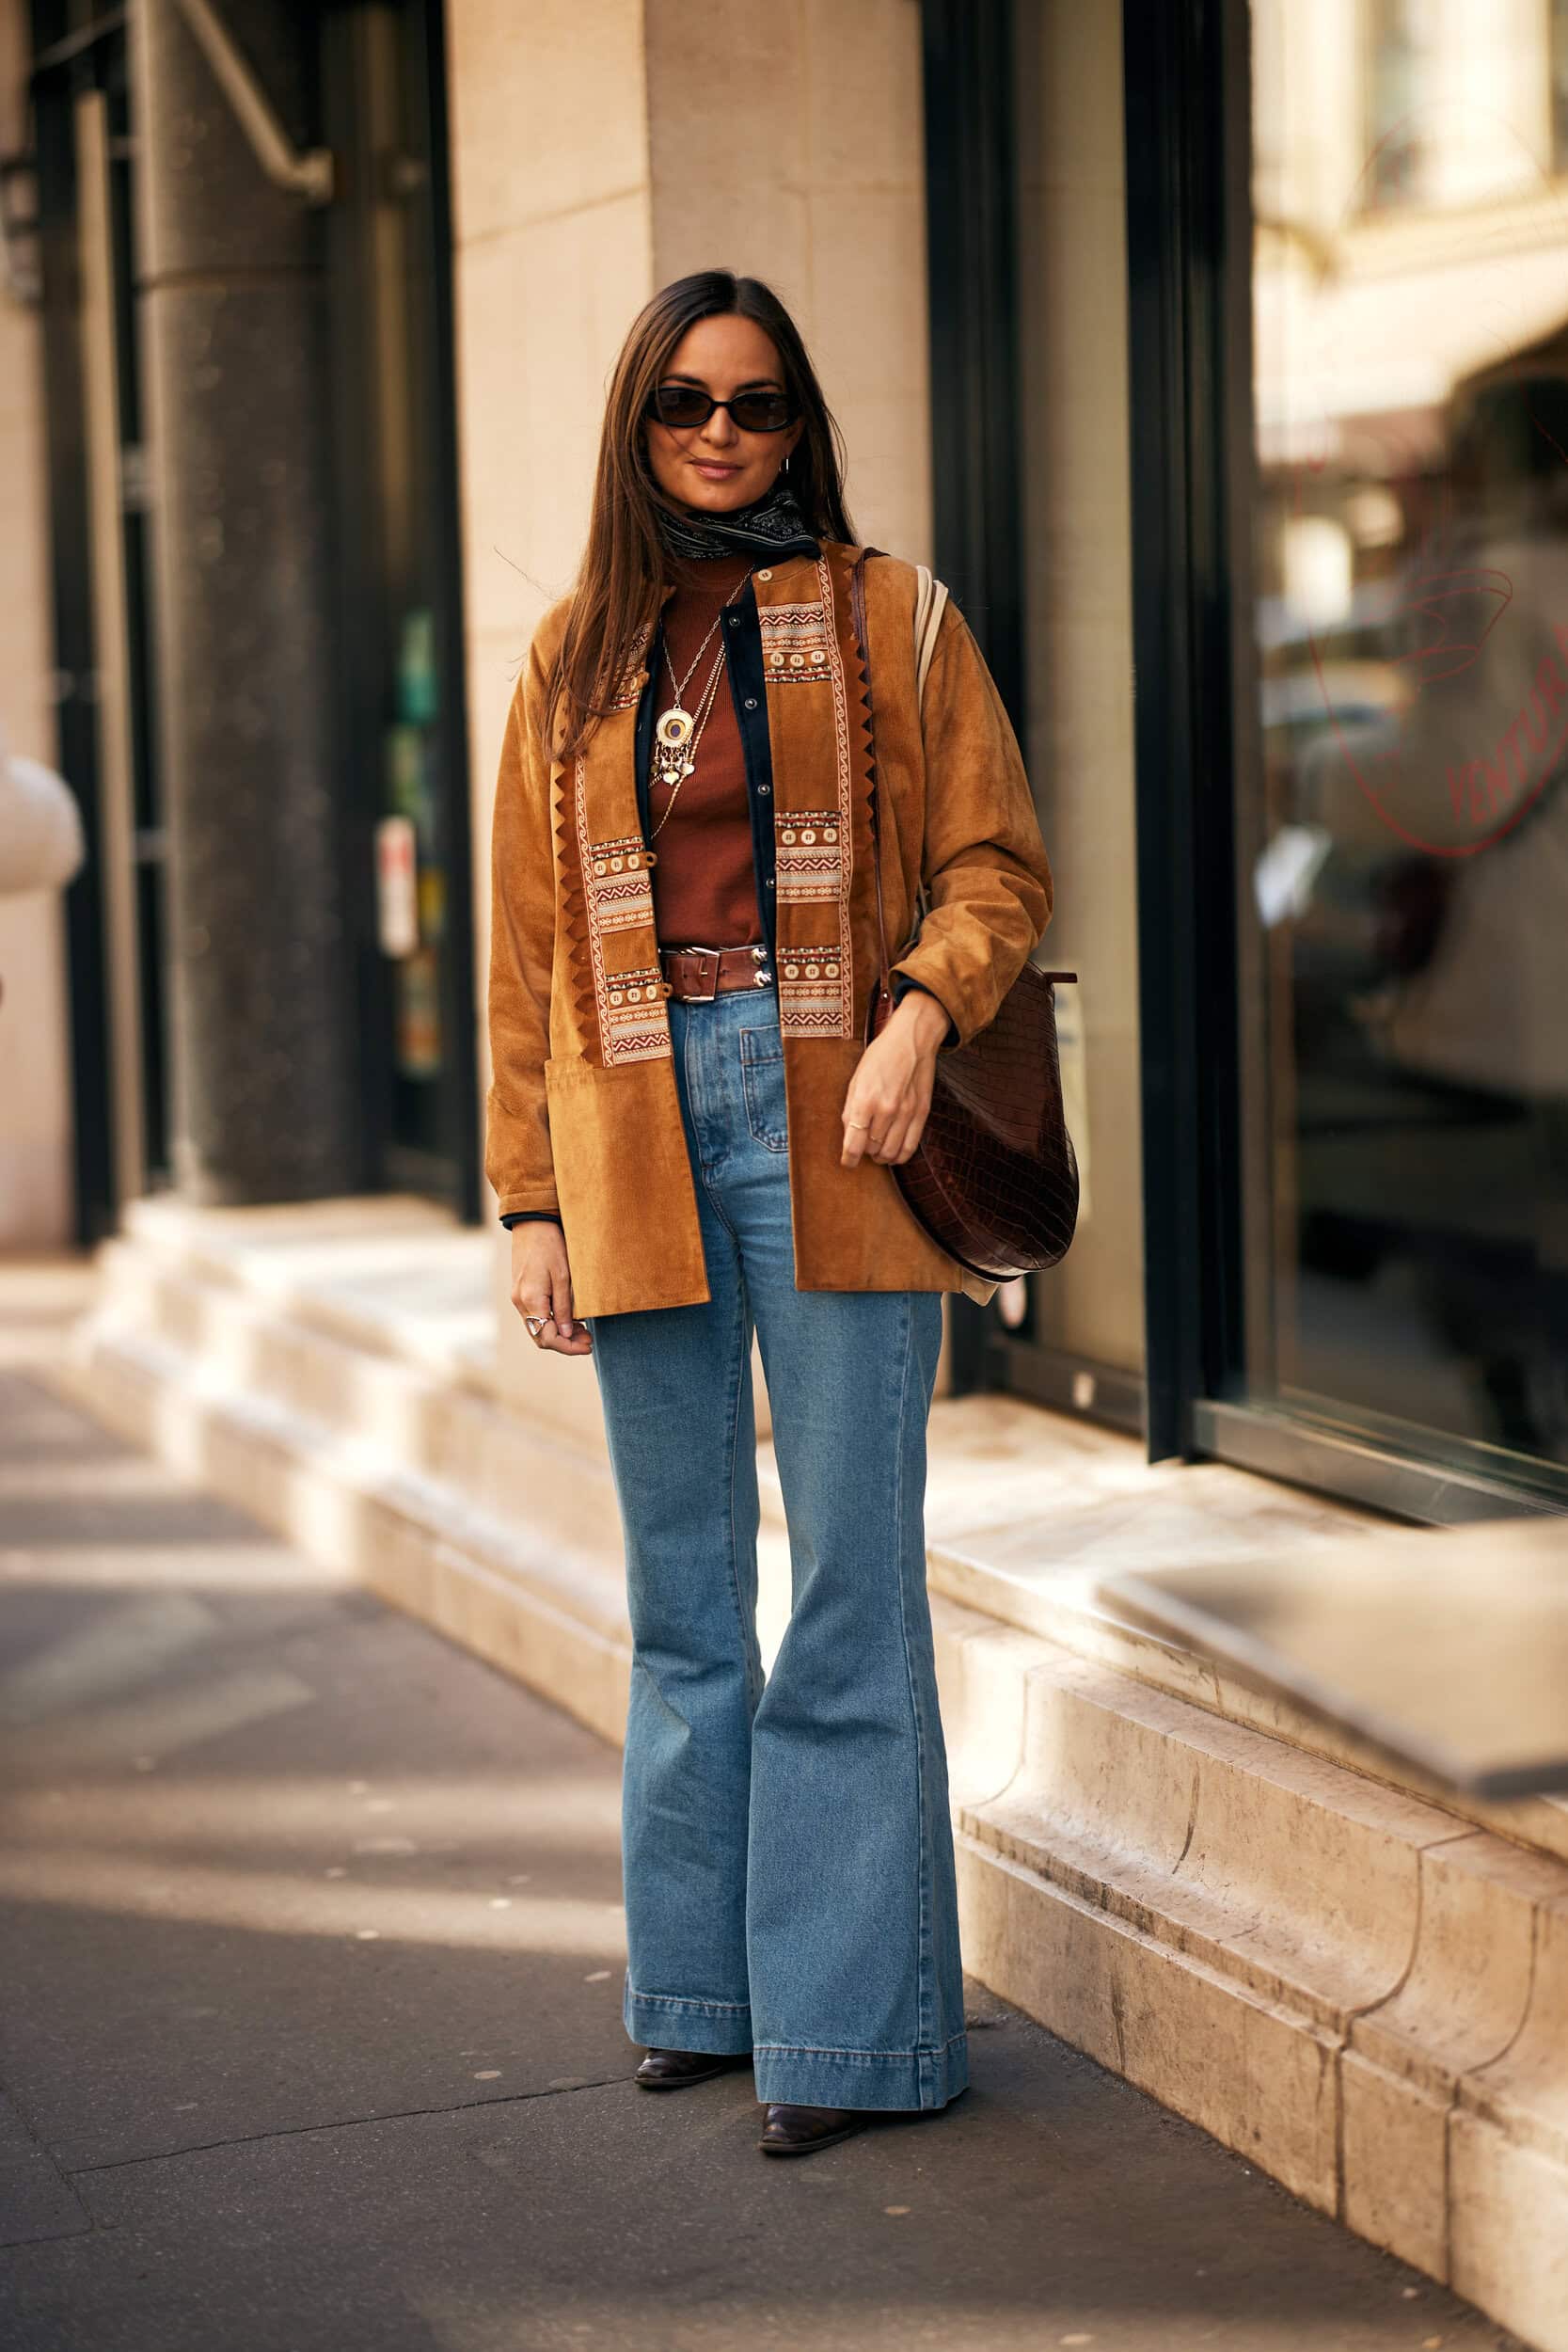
pixel 863 644
pixel 930 602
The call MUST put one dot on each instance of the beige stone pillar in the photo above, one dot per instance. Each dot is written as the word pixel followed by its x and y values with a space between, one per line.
pixel 795 152
pixel 553 257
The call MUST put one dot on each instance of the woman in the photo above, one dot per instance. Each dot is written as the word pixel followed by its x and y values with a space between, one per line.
pixel 690 1140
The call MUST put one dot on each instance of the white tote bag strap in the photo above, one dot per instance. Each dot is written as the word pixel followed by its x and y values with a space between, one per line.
pixel 930 602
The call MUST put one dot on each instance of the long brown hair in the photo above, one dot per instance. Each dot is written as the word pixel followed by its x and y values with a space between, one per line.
pixel 624 568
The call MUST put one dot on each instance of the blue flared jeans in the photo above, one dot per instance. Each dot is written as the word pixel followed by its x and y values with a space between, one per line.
pixel 787 1845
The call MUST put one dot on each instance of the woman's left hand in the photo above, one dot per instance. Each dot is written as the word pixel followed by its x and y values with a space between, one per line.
pixel 890 1094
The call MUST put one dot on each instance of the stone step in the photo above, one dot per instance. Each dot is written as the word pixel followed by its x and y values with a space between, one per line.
pixel 1030 1518
pixel 1350 1987
pixel 421 1421
pixel 423 1488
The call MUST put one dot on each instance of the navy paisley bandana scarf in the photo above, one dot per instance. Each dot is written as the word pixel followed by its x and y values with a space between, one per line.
pixel 772 526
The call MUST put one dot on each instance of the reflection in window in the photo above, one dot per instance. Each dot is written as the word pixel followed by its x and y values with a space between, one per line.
pixel 1396 62
pixel 1407 874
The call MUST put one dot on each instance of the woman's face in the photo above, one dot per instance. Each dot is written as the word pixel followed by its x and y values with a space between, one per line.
pixel 715 468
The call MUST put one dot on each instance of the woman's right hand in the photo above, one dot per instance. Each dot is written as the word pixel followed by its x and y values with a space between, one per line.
pixel 542 1287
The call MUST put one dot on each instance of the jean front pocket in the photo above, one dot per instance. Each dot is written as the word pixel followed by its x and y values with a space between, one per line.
pixel 762 1076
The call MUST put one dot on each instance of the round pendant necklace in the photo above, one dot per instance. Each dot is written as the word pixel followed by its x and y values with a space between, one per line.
pixel 678 730
pixel 675 756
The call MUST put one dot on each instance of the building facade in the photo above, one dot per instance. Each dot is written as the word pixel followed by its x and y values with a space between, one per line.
pixel 1218 361
pixel 1322 1231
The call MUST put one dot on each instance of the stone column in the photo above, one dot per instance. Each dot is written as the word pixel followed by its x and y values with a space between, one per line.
pixel 232 317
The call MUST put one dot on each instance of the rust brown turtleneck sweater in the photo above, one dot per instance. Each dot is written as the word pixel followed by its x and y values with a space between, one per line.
pixel 705 883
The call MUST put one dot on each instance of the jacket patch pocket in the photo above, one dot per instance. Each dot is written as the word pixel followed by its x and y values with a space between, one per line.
pixel 762 1078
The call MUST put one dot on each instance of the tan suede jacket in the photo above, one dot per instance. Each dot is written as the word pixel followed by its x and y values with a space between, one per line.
pixel 582 1116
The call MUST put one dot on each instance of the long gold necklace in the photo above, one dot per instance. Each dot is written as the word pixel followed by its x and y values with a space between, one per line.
pixel 673 762
pixel 678 731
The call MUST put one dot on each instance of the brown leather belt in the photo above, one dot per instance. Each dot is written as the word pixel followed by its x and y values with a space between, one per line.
pixel 697 974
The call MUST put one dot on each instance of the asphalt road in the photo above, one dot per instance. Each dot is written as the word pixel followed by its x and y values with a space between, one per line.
pixel 310 1951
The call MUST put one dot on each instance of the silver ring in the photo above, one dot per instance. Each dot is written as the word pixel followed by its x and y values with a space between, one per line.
pixel 536 1323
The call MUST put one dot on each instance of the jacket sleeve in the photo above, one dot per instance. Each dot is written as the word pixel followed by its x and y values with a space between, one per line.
pixel 517 1157
pixel 984 864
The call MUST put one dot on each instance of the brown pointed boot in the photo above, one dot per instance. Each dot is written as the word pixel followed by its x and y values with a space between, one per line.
pixel 677 2069
pixel 791 2131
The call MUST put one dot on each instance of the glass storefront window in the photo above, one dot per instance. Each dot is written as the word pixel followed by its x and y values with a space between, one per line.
pixel 1404 816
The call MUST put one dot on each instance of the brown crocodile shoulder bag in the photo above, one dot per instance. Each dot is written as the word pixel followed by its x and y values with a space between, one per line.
pixel 994 1179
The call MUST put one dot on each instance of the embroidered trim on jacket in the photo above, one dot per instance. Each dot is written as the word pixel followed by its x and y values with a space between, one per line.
pixel 633 1022
pixel 811 990
pixel 845 1027
pixel 794 643
pixel 808 855
pixel 620 894
pixel 636 1025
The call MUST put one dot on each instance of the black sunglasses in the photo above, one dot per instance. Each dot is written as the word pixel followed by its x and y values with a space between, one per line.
pixel 686 405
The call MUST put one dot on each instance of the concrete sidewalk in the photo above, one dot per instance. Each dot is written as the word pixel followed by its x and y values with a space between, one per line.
pixel 311 1956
